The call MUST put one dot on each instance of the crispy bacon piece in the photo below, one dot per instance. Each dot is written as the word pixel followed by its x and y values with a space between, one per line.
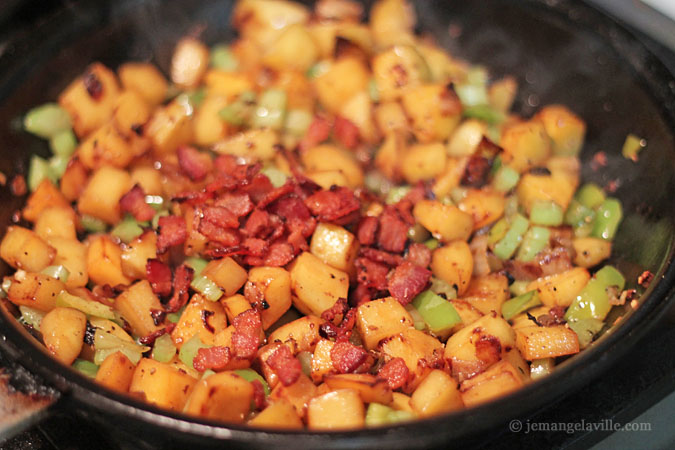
pixel 346 132
pixel 347 357
pixel 258 395
pixel 393 231
pixel 258 187
pixel 476 171
pixel 367 230
pixel 246 336
pixel 222 217
pixel 333 204
pixel 193 198
pixel 373 254
pixel 172 231
pixel 193 163
pixel 280 254
pixel 227 237
pixel 371 274
pixel 237 203
pixel 255 247
pixel 214 358
pixel 553 261
pixel 295 214
pixel 347 325
pixel 225 164
pixel 159 276
pixel 395 372
pixel 362 294
pixel 181 284
pixel 488 349
pixel 407 281
pixel 133 202
pixel 258 224
pixel 419 254
pixel 338 309
pixel 318 131
pixel 522 271
pixel 152 337
pixel 275 194
pixel 285 365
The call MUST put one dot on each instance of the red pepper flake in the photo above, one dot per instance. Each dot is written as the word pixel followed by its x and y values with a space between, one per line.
pixel 599 160
pixel 214 358
pixel 645 279
pixel 18 186
pixel 93 85
pixel 396 373
pixel 285 365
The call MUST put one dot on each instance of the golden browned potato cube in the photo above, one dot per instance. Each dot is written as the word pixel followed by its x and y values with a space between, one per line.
pixel 104 261
pixel 189 62
pixel 337 410
pixel 465 139
pixel 21 248
pixel 523 320
pixel 209 128
pixel 298 394
pixel 227 274
pixel 35 290
pixel 90 99
pixel 514 357
pixel 359 110
pixel 389 156
pixel 502 93
pixel 370 388
pixel 380 319
pixel 74 179
pixel 498 380
pixel 45 195
pixel 399 69
pixel 252 145
pixel 392 22
pixel 453 263
pixel 63 333
pixel 590 251
pixel 566 129
pixel 224 396
pixel 329 157
pixel 192 321
pixel 466 312
pixel 145 79
pixel 135 305
pixel 557 187
pixel 343 79
pixel 420 352
pixel 101 197
pixel 437 393
pixel 322 363
pixel 56 221
pixel 562 288
pixel 135 255
pixel 316 285
pixel 390 118
pixel 535 342
pixel 487 292
pixel 328 178
pixel 445 222
pixel 230 85
pixel 234 305
pixel 423 162
pixel 274 284
pixel 298 88
pixel 162 384
pixel 434 112
pixel 71 254
pixel 295 49
pixel 485 206
pixel 301 335
pixel 335 246
pixel 148 178
pixel 131 112
pixel 116 372
pixel 526 145
pixel 451 177
pixel 278 414
pixel 401 402
pixel 263 20
pixel 169 128
pixel 105 147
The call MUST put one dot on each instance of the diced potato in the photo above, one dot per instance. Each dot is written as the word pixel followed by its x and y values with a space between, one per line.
pixel 21 248
pixel 451 177
pixel 523 320
pixel 390 118
pixel 420 352
pixel 227 274
pixel 562 288
pixel 104 261
pixel 279 414
pixel 131 111
pixel 590 251
pixel 192 321
pixel 453 263
pixel 328 178
pixel 116 372
pixel 302 334
pixel 105 147
pixel 437 393
pixel 71 254
pixel 235 305
pixel 63 333
pixel 336 410
pixel 322 363
pixel 263 20
pixel 526 145
pixel 485 206
pixel 442 67
pixel 468 313
pixel 162 384
pixel 502 93
pixel 335 246
pixel 230 85
pixel 90 99
pixel 189 62
pixel 294 49
pixel 260 362
pixel 224 396
pixel 74 179
pixel 423 162
pixel 46 195
pixel 398 69
pixel 487 293
pixel 56 221
pixel 566 129
pixel 370 388
pixel 298 88
pixel 169 128
pixel 255 144
pixel 359 110
pixel 209 127
pixel 464 141
pixel 101 196
pixel 401 402
pixel 343 79
pixel 316 285
pixel 500 379
pixel 380 319
pixel 556 187
pixel 145 79
pixel 274 284
pixel 35 290
pixel 224 339
pixel 445 222
pixel 135 306
pixel 135 255
pixel 434 112
pixel 148 178
pixel 298 394
pixel 514 357
pixel 195 242
pixel 389 156
pixel 329 157
pixel 392 22
pixel 536 342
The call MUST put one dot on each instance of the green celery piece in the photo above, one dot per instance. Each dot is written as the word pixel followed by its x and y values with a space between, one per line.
pixel 377 414
pixel 38 170
pixel 458 194
pixel 609 276
pixel 472 94
pixel 518 287
pixel 210 290
pixel 63 143
pixel 271 110
pixel 92 224
pixel 590 195
pixel 239 112
pixel 107 343
pixel 437 312
pixel 520 304
pixel 189 350
pixel 593 300
pixel 607 220
pixel 298 122
pixel 86 367
pixel 102 354
pixel 222 58
pixel 47 120
pixel 373 90
pixel 251 375
pixel 505 179
pixel 418 320
pixel 163 349
pixel 583 230
pixel 577 214
pixel 484 112
pixel 156 201
pixel 318 69
pixel 396 194
pixel 196 97
pixel 541 367
pixel 511 207
pixel 197 264
pixel 31 316
pixel 586 329
pixel 154 223
pixel 175 317
pixel 534 241
pixel 397 416
pixel 546 213
pixel 58 165
pixel 632 146
pixel 417 233
pixel 59 272
pixel 127 230
pixel 276 176
pixel 432 244
pixel 498 231
pixel 89 307
pixel 505 248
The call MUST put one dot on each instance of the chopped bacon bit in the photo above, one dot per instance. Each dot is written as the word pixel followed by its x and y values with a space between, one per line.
pixel 419 254
pixel 366 230
pixel 3 179
pixel 152 337
pixel 133 202
pixel 258 395
pixel 285 365
pixel 554 261
pixel 522 271
pixel 338 309
pixel 193 198
pixel 487 149
pixel 599 160
pixel 488 349
pixel 347 357
pixel 627 296
pixel 172 231
pixel 181 284
pixel 476 171
pixel 393 232
pixel 276 194
pixel 255 247
pixel 214 358
pixel 371 274
pixel 205 320
pixel 219 216
pixel 258 187
pixel 93 85
pixel 334 204
pixel 295 214
pixel 239 204
pixel 407 281
pixel 645 279
pixel 228 237
pixel 258 224
pixel 193 163
pixel 246 337
pixel 280 254
pixel 380 256
pixel 328 331
pixel 225 164
pixel 395 372
pixel 159 276
pixel 346 132
pixel 18 185
pixel 318 131
pixel 347 325
pixel 362 294
pixel 450 104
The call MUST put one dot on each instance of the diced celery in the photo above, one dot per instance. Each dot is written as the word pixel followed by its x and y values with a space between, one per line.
pixel 498 231
pixel 511 207
pixel 276 176
pixel 437 312
pixel 586 329
pixel 189 350
pixel 472 94
pixel 86 367
pixel 505 179
pixel 38 170
pixel 210 290
pixel 163 350
pixel 298 122
pixel 59 272
pixel 318 69
pixel 590 195
pixel 432 244
pixel 441 287
pixel 239 112
pixel 593 300
pixel 520 304
pixel 305 359
pixel 47 120
pixel 175 317
pixel 577 214
pixel 222 58
pixel 609 276
pixel 31 316
pixel 271 110
pixel 607 219
pixel 484 112
pixel 63 143
pixel 505 248
pixel 101 355
pixel 632 146
pixel 397 416
pixel 107 343
pixel 396 194
pixel 417 233
pixel 546 213
pixel 418 320
pixel 251 375
pixel 127 230
pixel 541 367
pixel 518 287
pixel 58 165
pixel 379 414
pixel 458 194
pixel 373 91
pixel 92 224
pixel 534 241
pixel 89 307
pixel 196 97
pixel 197 264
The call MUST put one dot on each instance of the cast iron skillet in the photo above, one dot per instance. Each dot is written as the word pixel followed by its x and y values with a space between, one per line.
pixel 562 51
